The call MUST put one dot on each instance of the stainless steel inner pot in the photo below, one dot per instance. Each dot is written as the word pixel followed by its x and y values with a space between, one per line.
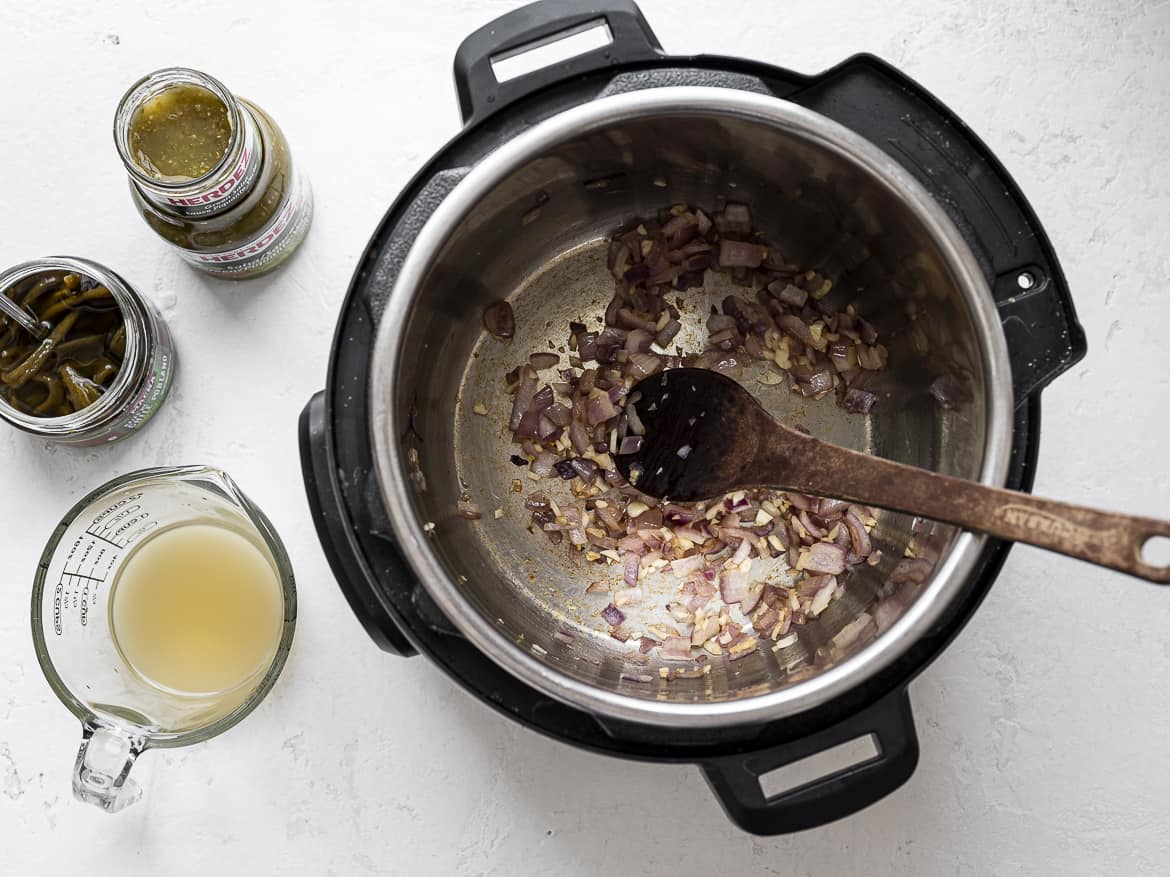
pixel 530 223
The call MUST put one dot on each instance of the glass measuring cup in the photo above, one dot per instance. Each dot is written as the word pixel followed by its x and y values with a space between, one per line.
pixel 122 713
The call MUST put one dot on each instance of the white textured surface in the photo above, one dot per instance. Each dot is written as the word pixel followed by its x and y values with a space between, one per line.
pixel 1043 728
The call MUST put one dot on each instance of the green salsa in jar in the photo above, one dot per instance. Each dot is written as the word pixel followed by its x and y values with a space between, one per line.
pixel 180 134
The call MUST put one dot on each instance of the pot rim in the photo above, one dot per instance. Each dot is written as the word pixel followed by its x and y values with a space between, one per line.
pixel 950 575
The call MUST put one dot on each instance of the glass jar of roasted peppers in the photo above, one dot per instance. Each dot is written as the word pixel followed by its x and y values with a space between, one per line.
pixel 103 365
pixel 211 173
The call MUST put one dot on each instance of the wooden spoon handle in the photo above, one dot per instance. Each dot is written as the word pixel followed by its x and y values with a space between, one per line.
pixel 1105 538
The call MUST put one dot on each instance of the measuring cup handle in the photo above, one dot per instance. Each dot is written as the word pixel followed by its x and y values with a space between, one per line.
pixel 101 775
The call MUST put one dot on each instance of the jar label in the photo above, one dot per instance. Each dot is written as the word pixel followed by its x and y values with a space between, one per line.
pixel 150 395
pixel 284 231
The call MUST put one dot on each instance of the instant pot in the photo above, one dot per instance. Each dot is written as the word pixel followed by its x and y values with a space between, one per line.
pixel 857 170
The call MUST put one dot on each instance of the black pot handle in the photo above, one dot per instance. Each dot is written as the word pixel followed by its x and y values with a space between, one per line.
pixel 736 779
pixel 340 549
pixel 481 94
pixel 919 132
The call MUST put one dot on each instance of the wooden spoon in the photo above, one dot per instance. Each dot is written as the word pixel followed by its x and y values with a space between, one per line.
pixel 706 436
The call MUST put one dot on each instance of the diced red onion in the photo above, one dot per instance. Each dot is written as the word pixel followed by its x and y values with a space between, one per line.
pixel 839 354
pixel 586 470
pixel 630 562
pixel 550 437
pixel 634 421
pixel 631 444
pixel 811 585
pixel 733 586
pixel 529 426
pixel 717 323
pixel 741 553
pixel 579 437
pixel 676 224
pixel 825 557
pixel 587 346
pixel 752 599
pixel 858 401
pixel 612 336
pixel 703 632
pixel 543 360
pixel 627 319
pixel 946 392
pixel 639 341
pixel 737 254
pixel 857 534
pixel 765 621
pixel 813 529
pixel 685 566
pixel 542 400
pixel 636 273
pixel 613 615
pixel 869 357
pixel 798 329
pixel 678 611
pixel 605 543
pixel 559 413
pixel 734 218
pixel 632 545
pixel 645 644
pixel 499 319
pixel 599 408
pixel 788 294
pixel 536 502
pixel 667 333
pixel 818 382
pixel 827 506
pixel 800 501
pixel 642 365
pixel 618 258
pixel 525 393
pixel 543 464
pixel 726 339
pixel 675 648
pixel 822 597
pixel 663 273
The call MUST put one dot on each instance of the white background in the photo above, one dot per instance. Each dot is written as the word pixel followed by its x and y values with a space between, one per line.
pixel 1043 728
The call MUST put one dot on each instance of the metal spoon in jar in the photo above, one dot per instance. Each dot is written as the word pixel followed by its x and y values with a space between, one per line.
pixel 22 318
pixel 706 436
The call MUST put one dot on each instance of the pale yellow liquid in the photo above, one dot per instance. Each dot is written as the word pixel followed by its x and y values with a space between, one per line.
pixel 197 609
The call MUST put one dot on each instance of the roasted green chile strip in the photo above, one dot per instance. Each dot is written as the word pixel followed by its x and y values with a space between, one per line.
pixel 77 361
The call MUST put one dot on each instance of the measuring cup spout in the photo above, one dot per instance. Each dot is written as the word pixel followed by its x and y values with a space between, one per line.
pixel 101 775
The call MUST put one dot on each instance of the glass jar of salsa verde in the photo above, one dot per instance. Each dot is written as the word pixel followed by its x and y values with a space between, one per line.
pixel 104 364
pixel 211 173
